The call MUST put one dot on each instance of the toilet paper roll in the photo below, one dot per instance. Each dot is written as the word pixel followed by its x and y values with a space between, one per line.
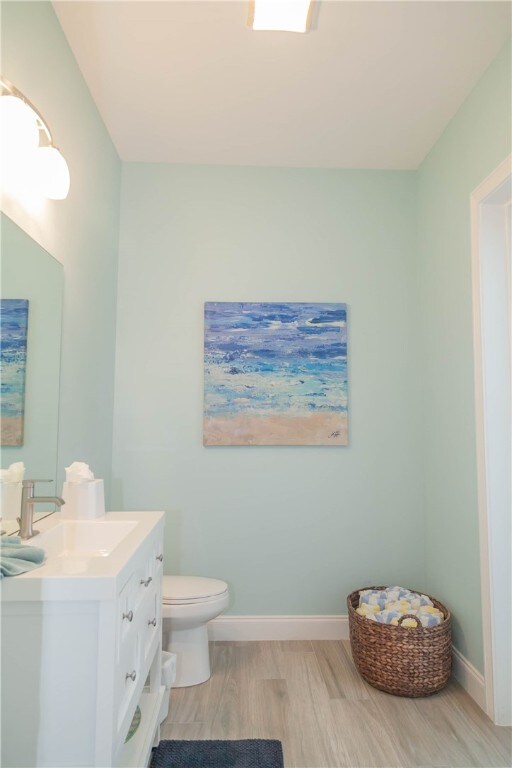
pixel 84 500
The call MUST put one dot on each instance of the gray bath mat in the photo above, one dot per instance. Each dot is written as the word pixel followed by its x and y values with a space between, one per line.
pixel 246 753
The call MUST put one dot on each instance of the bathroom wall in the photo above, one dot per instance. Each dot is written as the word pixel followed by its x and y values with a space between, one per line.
pixel 476 141
pixel 292 529
pixel 81 232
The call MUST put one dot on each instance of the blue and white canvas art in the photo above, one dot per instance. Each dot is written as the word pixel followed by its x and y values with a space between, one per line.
pixel 275 374
pixel 13 354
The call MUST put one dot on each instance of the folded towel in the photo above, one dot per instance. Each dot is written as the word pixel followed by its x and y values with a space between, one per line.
pixel 373 593
pixel 430 621
pixel 403 606
pixel 388 605
pixel 16 558
pixel 10 541
pixel 387 617
pixel 373 597
pixel 430 616
pixel 409 623
pixel 398 592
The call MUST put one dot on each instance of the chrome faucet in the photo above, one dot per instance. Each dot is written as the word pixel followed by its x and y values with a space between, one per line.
pixel 27 507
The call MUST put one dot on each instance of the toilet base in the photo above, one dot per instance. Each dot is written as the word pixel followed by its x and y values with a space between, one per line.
pixel 192 655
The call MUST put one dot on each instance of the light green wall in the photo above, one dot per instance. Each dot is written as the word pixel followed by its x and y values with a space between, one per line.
pixel 475 142
pixel 292 529
pixel 80 232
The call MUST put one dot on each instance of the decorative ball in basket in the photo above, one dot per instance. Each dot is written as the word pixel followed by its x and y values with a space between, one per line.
pixel 402 660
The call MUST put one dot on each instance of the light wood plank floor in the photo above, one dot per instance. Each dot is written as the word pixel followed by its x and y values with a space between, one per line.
pixel 309 695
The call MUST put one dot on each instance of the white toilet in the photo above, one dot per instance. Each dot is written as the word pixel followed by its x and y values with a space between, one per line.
pixel 189 602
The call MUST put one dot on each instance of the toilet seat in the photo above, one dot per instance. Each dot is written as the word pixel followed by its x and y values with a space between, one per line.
pixel 187 590
pixel 189 603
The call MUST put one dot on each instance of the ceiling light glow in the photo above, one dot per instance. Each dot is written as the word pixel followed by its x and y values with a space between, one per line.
pixel 280 15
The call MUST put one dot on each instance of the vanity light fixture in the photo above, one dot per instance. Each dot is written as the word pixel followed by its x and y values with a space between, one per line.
pixel 27 143
pixel 280 15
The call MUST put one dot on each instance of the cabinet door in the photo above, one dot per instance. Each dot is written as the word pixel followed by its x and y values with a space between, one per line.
pixel 158 559
pixel 152 625
pixel 128 681
pixel 126 614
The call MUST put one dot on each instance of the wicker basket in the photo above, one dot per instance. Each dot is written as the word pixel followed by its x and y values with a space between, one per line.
pixel 401 660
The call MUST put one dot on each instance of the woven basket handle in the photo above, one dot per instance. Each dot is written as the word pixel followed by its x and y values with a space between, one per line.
pixel 409 616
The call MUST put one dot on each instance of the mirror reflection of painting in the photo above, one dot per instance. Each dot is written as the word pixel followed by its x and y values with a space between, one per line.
pixel 13 354
pixel 275 374
pixel 31 274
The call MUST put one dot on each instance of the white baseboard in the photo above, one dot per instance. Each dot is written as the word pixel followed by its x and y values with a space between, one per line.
pixel 278 628
pixel 469 677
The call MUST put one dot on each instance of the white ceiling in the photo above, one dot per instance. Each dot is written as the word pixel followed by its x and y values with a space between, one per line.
pixel 372 86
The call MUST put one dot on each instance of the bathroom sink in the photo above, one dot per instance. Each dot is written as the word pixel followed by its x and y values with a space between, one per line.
pixel 83 538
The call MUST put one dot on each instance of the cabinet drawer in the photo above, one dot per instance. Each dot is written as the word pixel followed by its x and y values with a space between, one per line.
pixel 130 601
pixel 146 580
pixel 138 604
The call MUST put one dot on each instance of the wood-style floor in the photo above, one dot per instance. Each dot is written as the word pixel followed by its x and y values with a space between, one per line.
pixel 309 695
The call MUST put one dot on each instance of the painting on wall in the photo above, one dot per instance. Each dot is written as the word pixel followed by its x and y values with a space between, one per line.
pixel 13 355
pixel 275 374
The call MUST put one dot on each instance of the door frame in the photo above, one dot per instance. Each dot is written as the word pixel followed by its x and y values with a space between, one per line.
pixel 488 205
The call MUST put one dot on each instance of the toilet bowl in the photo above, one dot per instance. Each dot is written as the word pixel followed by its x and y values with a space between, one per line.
pixel 188 603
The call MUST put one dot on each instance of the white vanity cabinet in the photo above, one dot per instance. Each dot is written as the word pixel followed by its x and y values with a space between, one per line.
pixel 81 649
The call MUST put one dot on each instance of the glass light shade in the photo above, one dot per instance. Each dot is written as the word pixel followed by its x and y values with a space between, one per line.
pixel 18 126
pixel 281 15
pixel 52 173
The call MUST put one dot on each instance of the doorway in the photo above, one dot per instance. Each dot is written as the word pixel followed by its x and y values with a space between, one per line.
pixel 491 233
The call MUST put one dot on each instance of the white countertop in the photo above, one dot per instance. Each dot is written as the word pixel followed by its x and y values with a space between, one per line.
pixel 81 578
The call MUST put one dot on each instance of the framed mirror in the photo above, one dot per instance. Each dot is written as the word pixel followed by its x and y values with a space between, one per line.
pixel 32 294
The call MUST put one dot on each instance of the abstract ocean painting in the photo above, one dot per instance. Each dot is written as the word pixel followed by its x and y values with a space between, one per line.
pixel 275 374
pixel 13 354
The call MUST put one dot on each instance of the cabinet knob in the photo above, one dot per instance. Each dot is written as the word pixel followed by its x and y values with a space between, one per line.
pixel 160 557
pixel 128 615
pixel 131 675
pixel 147 581
pixel 152 623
